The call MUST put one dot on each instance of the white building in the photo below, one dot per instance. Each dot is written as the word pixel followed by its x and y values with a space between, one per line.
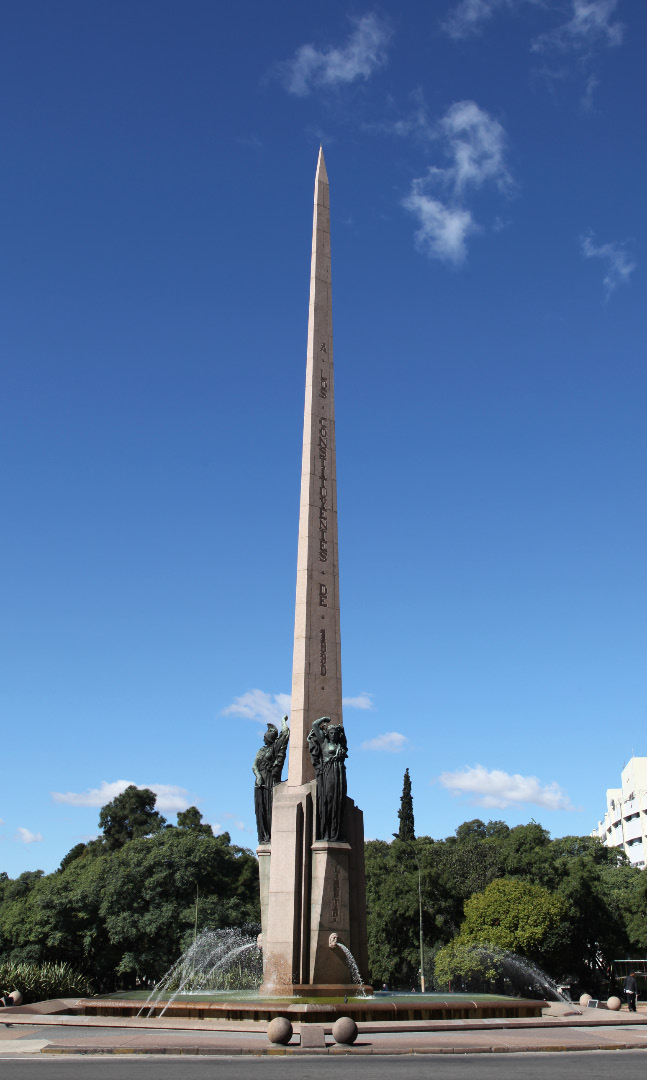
pixel 625 822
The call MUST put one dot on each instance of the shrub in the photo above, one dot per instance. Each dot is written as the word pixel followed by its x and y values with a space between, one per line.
pixel 39 982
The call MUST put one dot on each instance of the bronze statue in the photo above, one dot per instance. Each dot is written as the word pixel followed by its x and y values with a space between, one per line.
pixel 328 752
pixel 267 768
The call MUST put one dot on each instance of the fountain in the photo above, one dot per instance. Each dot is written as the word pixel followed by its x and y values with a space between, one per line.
pixel 219 977
pixel 517 970
pixel 217 961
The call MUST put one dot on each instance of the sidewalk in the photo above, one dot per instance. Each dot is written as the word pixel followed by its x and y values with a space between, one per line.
pixel 24 1033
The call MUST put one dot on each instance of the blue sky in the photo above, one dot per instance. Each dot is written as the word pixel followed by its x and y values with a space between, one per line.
pixel 487 169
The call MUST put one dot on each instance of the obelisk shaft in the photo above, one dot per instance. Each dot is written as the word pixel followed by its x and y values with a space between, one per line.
pixel 316 669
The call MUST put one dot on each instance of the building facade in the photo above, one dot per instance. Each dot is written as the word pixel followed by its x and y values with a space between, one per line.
pixel 625 822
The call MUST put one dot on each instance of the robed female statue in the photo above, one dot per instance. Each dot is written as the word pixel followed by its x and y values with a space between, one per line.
pixel 328 752
pixel 267 768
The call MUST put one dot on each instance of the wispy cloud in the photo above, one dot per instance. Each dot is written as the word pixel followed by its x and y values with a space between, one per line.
pixel 236 822
pixel 252 141
pixel 363 52
pixel 495 788
pixel 468 16
pixel 442 230
pixel 475 144
pixel 257 705
pixel 620 265
pixel 363 700
pixel 170 797
pixel 589 26
pixel 392 742
pixel 590 23
pixel 27 837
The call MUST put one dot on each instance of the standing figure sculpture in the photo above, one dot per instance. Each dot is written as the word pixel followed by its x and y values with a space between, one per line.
pixel 328 752
pixel 267 768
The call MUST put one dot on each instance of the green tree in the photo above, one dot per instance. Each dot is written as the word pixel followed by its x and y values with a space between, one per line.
pixel 191 819
pixel 513 915
pixel 406 830
pixel 74 853
pixel 126 915
pixel 471 830
pixel 129 816
pixel 459 965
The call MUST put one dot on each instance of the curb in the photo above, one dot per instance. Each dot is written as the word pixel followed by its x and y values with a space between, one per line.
pixel 270 1051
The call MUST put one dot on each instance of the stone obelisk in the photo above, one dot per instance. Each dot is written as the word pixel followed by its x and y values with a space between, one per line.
pixel 313 891
pixel 316 668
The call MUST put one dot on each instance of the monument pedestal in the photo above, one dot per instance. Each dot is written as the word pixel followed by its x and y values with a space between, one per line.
pixel 316 889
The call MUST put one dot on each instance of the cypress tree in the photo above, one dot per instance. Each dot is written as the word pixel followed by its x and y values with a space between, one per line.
pixel 406 829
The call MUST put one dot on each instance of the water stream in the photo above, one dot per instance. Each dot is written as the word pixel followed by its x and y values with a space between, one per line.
pixel 354 970
pixel 521 972
pixel 217 960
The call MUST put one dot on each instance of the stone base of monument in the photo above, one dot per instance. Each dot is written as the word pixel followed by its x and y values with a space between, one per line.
pixel 313 899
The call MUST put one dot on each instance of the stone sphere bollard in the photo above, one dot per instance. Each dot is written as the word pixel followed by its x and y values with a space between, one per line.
pixel 279 1030
pixel 584 1000
pixel 614 1003
pixel 16 997
pixel 344 1030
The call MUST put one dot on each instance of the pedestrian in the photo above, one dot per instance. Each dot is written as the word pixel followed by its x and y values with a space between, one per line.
pixel 631 991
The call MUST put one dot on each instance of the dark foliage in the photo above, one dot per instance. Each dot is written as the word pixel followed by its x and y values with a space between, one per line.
pixel 602 897
pixel 406 830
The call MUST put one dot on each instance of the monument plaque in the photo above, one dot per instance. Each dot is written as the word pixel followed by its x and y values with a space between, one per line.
pixel 312 869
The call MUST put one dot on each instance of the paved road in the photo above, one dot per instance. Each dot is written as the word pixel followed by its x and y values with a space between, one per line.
pixel 631 1065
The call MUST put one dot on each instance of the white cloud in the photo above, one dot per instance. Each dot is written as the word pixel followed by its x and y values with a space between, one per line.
pixel 363 52
pixel 590 25
pixel 236 822
pixel 475 144
pixel 27 837
pixel 443 229
pixel 587 97
pixel 363 700
pixel 1 821
pixel 469 15
pixel 252 141
pixel 391 741
pixel 257 705
pixel 495 788
pixel 170 797
pixel 620 265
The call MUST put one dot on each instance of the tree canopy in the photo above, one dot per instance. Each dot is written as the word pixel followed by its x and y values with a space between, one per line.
pixel 129 816
pixel 571 905
pixel 122 908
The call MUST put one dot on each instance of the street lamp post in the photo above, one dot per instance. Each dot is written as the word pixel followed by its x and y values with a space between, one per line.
pixel 422 958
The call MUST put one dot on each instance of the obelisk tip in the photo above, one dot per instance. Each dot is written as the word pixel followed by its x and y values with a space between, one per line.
pixel 321 167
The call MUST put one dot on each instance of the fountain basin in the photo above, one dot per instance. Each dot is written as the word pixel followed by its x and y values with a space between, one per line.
pixel 325 1010
pixel 322 990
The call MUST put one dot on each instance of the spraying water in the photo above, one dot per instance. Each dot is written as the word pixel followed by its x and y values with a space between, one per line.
pixel 217 960
pixel 517 969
